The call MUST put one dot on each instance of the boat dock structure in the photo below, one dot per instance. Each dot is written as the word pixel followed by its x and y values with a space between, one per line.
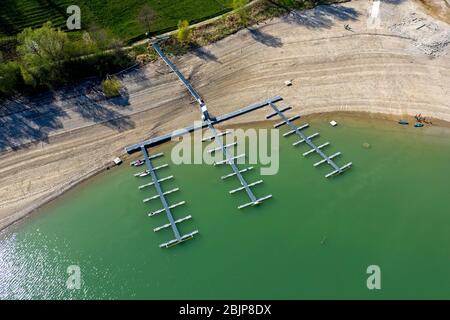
pixel 162 196
pixel 208 123
pixel 306 139
pixel 217 136
pixel 230 160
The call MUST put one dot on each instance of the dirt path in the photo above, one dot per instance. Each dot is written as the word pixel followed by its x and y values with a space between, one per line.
pixel 385 64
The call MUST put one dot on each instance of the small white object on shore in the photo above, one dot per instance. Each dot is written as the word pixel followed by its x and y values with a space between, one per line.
pixel 288 83
pixel 117 161
pixel 333 123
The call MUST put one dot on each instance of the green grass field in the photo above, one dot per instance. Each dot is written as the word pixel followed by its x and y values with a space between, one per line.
pixel 117 16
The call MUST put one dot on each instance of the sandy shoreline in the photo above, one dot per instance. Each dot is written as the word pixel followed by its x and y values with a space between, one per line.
pixel 380 72
pixel 361 116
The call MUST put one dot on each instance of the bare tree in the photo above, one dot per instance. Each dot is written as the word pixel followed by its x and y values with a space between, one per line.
pixel 146 17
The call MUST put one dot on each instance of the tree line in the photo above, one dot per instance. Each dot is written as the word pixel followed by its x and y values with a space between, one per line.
pixel 49 57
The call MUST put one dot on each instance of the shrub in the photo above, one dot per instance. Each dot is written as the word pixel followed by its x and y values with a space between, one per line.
pixel 184 32
pixel 111 87
pixel 10 78
pixel 28 78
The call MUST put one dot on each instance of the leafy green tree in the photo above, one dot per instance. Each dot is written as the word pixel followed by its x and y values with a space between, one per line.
pixel 48 57
pixel 41 53
pixel 43 45
pixel 184 32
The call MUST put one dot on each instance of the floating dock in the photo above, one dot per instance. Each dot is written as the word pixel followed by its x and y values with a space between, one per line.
pixel 209 122
pixel 167 208
pixel 306 139
pixel 230 160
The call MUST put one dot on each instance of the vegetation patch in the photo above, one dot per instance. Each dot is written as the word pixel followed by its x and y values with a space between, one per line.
pixel 111 87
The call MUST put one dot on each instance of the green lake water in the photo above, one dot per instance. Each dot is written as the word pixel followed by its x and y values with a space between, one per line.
pixel 314 239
